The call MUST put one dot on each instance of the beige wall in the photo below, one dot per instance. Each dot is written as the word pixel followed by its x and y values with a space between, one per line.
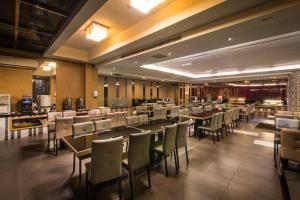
pixel 70 82
pixel 91 85
pixel 17 82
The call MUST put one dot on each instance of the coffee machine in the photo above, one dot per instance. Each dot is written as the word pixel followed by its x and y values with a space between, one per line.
pixel 26 105
pixel 67 104
pixel 79 104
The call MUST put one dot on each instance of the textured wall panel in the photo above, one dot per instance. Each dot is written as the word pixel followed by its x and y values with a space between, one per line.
pixel 294 91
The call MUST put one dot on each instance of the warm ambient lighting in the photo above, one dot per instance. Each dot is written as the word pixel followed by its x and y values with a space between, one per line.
pixel 96 32
pixel 229 73
pixel 48 66
pixel 145 5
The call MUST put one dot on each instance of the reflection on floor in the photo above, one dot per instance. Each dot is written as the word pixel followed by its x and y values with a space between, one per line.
pixel 234 168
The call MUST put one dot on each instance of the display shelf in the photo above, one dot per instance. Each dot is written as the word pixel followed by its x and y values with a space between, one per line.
pixel 26 122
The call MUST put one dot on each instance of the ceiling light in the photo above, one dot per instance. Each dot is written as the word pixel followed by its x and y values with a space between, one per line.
pixel 96 32
pixel 169 54
pixel 228 73
pixel 52 64
pixel 145 5
pixel 114 67
pixel 117 83
pixel 47 68
pixel 229 39
pixel 105 85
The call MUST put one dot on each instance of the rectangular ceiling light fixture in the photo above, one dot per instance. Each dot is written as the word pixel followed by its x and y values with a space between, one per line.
pixel 96 32
pixel 145 5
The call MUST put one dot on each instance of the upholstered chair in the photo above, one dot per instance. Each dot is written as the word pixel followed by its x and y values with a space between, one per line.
pixel 163 113
pixel 181 141
pixel 69 113
pixel 103 126
pixel 220 123
pixel 156 114
pixel 113 117
pixel 83 118
pixel 83 128
pixel 213 127
pixel 132 120
pixel 106 163
pixel 121 118
pixel 63 127
pixel 290 144
pixel 168 145
pixel 174 112
pixel 143 119
pixel 196 110
pixel 137 156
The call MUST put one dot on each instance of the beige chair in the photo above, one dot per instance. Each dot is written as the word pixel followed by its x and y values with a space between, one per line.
pixel 63 127
pixel 121 121
pixel 95 112
pixel 168 145
pixel 220 123
pixel 181 141
pixel 106 163
pixel 156 114
pixel 296 115
pixel 196 110
pixel 104 111
pixel 103 126
pixel 132 120
pixel 162 113
pixel 174 112
pixel 143 119
pixel 213 127
pixel 290 145
pixel 137 156
pixel 52 116
pixel 83 118
pixel 140 109
pixel 83 128
pixel 69 113
pixel 208 108
pixel 113 117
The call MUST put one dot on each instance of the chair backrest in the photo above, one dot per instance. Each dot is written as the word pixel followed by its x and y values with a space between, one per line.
pixel 196 110
pixel 163 113
pixel 132 120
pixel 95 112
pixel 138 151
pixel 290 144
pixel 184 111
pixel 182 130
pixel 113 117
pixel 63 126
pixel 106 160
pixel 208 108
pixel 214 122
pixel 69 113
pixel 140 109
pixel 284 113
pixel 121 118
pixel 296 115
pixel 103 125
pixel 83 118
pixel 143 119
pixel 105 110
pixel 170 105
pixel 174 111
pixel 53 115
pixel 83 128
pixel 156 113
pixel 220 120
pixel 169 139
pixel 227 117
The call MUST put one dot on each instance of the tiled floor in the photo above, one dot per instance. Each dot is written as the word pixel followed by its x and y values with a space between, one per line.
pixel 234 168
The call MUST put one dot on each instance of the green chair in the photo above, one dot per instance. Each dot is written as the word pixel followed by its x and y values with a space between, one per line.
pixel 137 156
pixel 181 141
pixel 105 165
pixel 83 128
pixel 168 145
pixel 220 123
pixel 213 127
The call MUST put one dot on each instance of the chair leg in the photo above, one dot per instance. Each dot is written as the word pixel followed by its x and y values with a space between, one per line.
pixel 131 184
pixel 79 172
pixel 55 146
pixel 120 188
pixel 166 166
pixel 186 154
pixel 213 137
pixel 86 184
pixel 74 162
pixel 177 159
pixel 149 178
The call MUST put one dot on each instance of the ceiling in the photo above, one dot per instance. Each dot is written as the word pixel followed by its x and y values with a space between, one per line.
pixel 273 39
pixel 112 15
pixel 31 25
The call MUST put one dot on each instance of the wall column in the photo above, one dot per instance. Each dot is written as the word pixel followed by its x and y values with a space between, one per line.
pixel 91 85
pixel 293 91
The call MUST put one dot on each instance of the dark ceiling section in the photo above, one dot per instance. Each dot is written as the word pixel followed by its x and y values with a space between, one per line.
pixel 31 25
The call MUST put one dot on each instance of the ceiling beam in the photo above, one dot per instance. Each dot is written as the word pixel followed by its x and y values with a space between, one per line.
pixel 17 19
pixel 44 8
pixel 25 29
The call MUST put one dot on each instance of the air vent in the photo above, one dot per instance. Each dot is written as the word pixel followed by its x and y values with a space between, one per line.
pixel 159 56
